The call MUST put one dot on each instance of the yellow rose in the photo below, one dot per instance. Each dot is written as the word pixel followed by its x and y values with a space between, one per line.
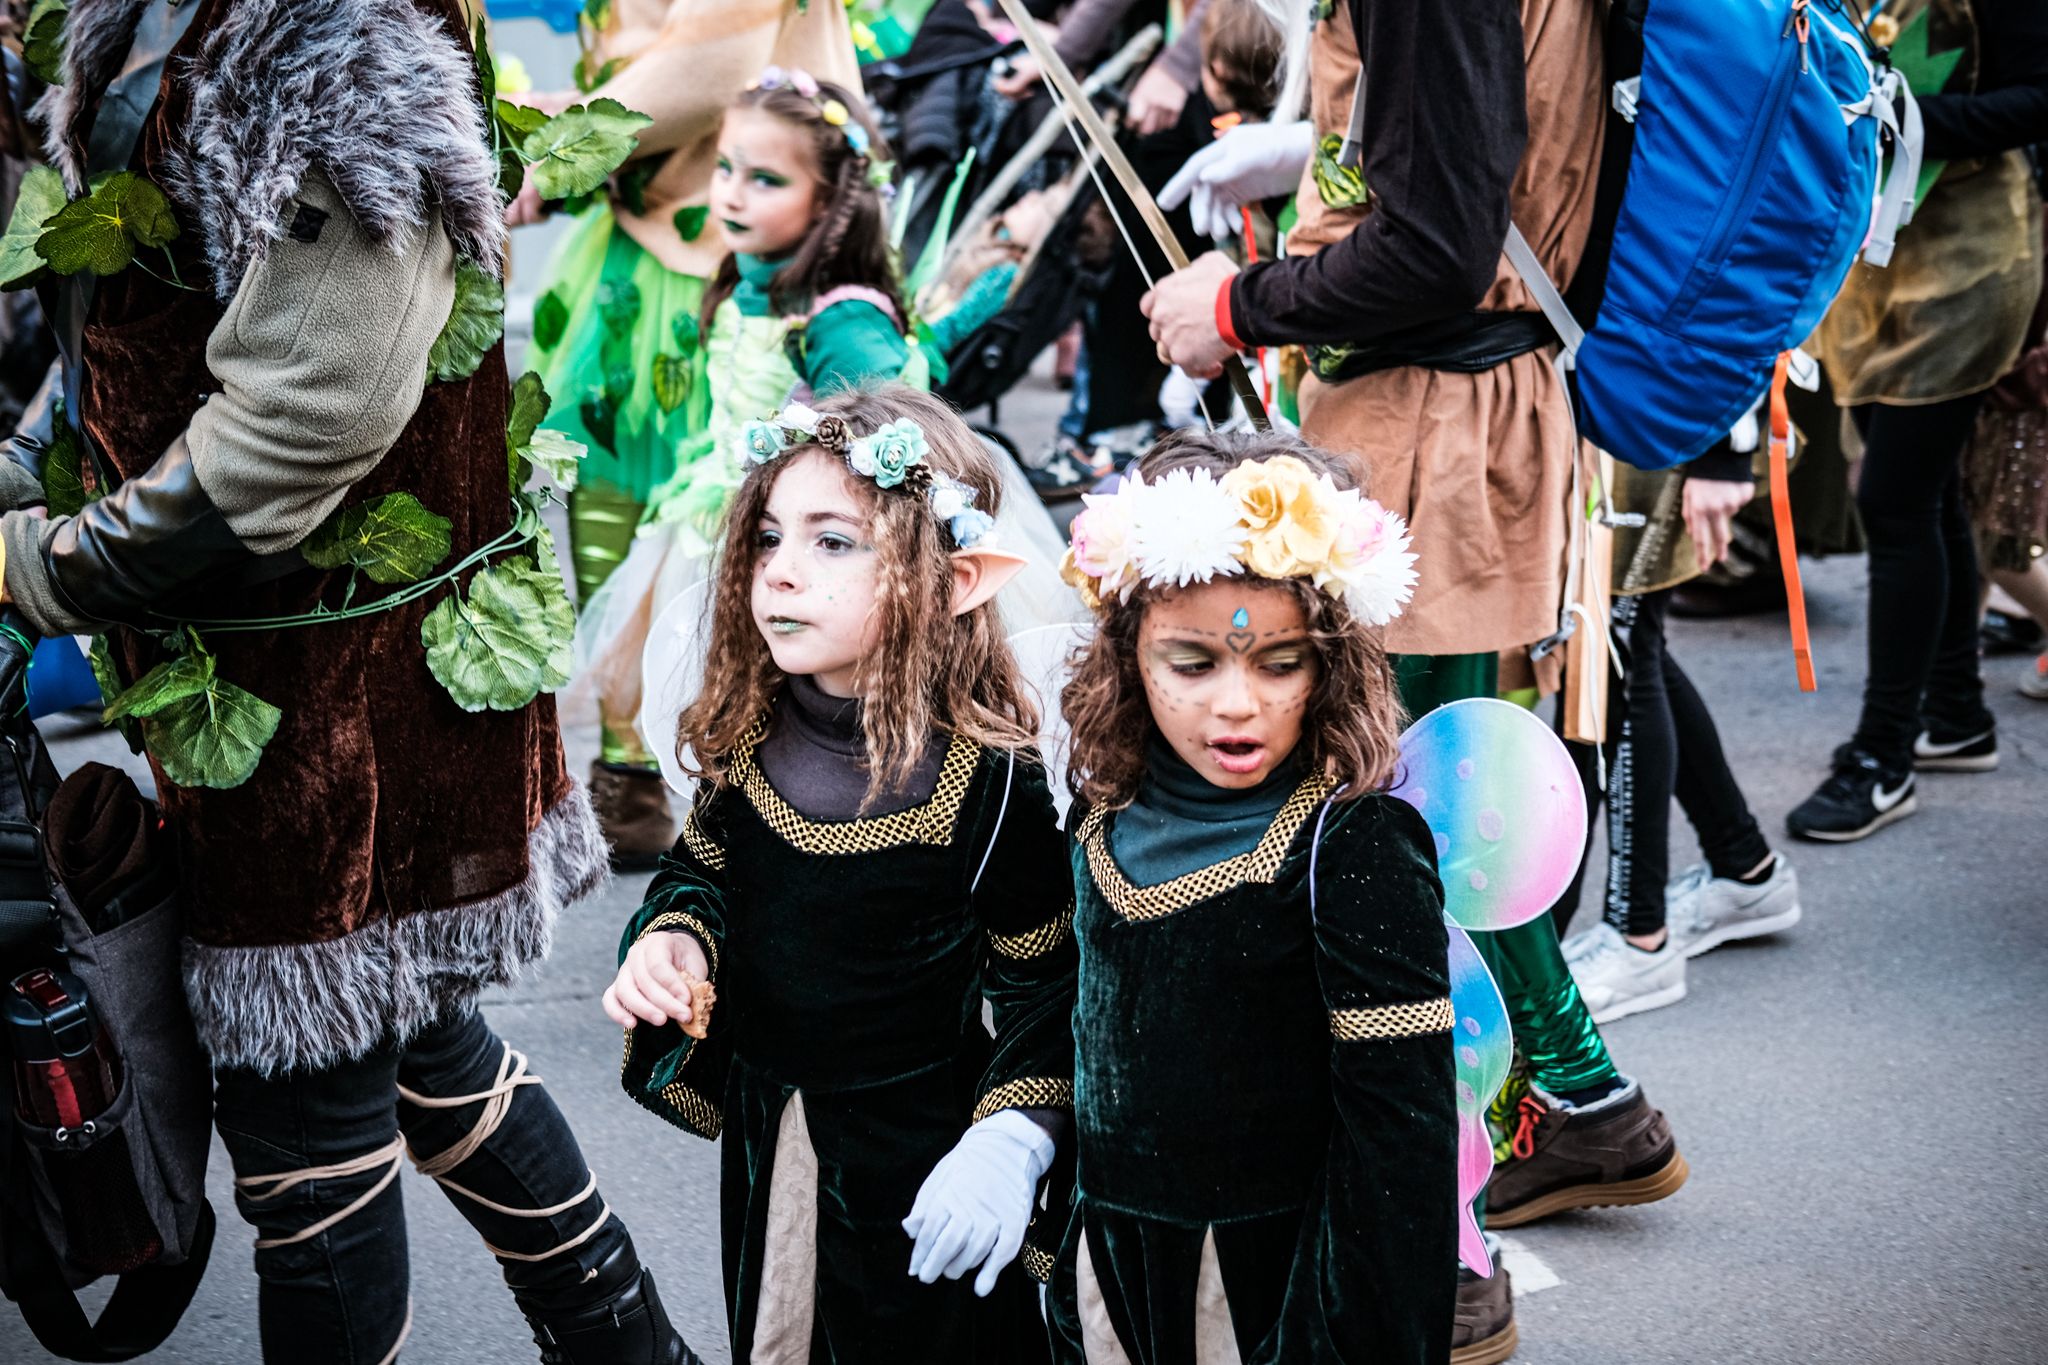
pixel 1289 516
pixel 834 113
pixel 1077 577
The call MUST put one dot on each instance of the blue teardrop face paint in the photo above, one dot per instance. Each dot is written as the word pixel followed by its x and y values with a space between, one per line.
pixel 1241 619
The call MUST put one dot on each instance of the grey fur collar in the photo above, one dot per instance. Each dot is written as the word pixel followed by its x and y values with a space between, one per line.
pixel 375 94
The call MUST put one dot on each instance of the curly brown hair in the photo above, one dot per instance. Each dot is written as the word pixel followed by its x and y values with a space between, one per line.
pixel 850 244
pixel 1352 726
pixel 939 672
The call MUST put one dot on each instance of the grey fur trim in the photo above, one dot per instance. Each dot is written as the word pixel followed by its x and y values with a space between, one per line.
pixel 374 93
pixel 312 1005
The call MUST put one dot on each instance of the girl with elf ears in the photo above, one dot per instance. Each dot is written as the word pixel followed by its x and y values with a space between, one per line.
pixel 1265 1107
pixel 806 301
pixel 872 854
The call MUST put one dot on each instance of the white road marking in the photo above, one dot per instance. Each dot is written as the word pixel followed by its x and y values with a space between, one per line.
pixel 1532 1275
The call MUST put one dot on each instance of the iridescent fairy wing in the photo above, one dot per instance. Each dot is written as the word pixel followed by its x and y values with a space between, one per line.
pixel 1501 796
pixel 1042 654
pixel 671 672
pixel 1484 1046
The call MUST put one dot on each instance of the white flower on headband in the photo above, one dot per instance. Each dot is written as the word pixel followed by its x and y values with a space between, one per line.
pixel 797 417
pixel 1185 529
pixel 1370 563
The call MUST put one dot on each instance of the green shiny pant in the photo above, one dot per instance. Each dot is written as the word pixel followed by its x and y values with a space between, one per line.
pixel 1553 1028
pixel 602 519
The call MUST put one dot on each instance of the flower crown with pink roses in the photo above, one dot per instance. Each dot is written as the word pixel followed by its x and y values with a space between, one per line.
pixel 880 174
pixel 893 455
pixel 1273 518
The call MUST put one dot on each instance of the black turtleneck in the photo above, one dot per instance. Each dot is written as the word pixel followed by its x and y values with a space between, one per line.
pixel 1180 821
pixel 815 756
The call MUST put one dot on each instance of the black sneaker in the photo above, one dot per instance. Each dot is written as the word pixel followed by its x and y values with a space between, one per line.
pixel 1941 750
pixel 1861 798
pixel 2003 634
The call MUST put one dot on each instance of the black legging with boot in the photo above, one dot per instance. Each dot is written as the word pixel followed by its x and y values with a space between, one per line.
pixel 1923 579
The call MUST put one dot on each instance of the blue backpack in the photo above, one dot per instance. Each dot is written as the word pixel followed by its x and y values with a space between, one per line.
pixel 1739 187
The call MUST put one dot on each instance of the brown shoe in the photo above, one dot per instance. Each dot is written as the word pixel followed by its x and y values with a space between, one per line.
pixel 1484 1330
pixel 632 808
pixel 1616 1151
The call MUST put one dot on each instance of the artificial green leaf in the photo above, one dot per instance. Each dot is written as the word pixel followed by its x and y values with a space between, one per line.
pixel 171 681
pixel 544 550
pixel 511 173
pixel 1340 186
pixel 558 618
pixel 213 739
pixel 108 676
pixel 495 649
pixel 530 404
pixel 101 231
pixel 474 324
pixel 671 381
pixel 600 417
pixel 557 454
pixel 64 492
pixel 486 69
pixel 42 44
pixel 632 186
pixel 578 149
pixel 618 303
pixel 690 221
pixel 393 539
pixel 588 78
pixel 598 12
pixel 686 330
pixel 550 320
pixel 519 120
pixel 40 198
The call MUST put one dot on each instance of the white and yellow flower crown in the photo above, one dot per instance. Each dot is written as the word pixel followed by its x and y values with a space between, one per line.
pixel 1274 518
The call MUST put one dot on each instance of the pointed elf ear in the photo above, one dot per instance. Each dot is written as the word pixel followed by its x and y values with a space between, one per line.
pixel 979 575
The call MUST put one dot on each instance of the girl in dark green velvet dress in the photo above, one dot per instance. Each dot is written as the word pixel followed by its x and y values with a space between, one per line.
pixel 872 854
pixel 1265 1113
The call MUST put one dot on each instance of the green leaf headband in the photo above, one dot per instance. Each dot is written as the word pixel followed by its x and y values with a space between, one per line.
pixel 893 455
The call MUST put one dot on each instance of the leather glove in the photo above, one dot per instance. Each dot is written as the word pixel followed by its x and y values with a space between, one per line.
pixel 1251 162
pixel 974 1206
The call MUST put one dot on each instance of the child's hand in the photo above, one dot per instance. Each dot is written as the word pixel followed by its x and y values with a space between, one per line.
pixel 655 980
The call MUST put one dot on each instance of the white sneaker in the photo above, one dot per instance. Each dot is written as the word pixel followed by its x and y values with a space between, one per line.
pixel 2035 683
pixel 1618 979
pixel 1705 911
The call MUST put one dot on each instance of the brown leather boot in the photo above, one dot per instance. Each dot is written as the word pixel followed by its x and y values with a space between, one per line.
pixel 1615 1151
pixel 1484 1330
pixel 632 808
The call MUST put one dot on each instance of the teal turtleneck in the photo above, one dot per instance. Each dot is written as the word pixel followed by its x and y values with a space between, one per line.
pixel 848 344
pixel 1180 821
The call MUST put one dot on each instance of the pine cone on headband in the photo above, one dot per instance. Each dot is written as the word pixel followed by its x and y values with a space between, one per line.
pixel 834 435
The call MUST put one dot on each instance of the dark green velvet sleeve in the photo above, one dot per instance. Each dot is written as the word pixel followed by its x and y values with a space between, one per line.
pixel 666 1070
pixel 1375 1273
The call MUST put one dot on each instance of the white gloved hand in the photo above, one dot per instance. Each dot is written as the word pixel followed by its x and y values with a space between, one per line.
pixel 974 1206
pixel 1252 161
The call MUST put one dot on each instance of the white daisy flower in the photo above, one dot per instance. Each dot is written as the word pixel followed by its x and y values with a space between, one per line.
pixel 1185 529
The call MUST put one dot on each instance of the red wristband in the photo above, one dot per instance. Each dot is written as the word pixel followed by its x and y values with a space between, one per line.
pixel 1223 327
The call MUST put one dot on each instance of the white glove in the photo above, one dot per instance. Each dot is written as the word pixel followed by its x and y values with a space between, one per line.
pixel 1252 161
pixel 974 1206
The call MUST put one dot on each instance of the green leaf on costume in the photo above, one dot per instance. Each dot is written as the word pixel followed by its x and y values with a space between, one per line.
pixel 598 12
pixel 64 491
pixel 1339 186
pixel 550 320
pixel 100 232
pixel 171 681
pixel 686 330
pixel 671 381
pixel 392 539
pixel 690 221
pixel 518 120
pixel 42 44
pixel 578 149
pixel 506 642
pixel 212 739
pixel 559 455
pixel 473 327
pixel 588 78
pixel 486 69
pixel 544 549
pixel 632 186
pixel 108 676
pixel 530 404
pixel 40 199
pixel 618 303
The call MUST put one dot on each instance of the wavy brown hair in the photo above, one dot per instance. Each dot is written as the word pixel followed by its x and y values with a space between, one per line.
pixel 937 672
pixel 1352 726
pixel 850 242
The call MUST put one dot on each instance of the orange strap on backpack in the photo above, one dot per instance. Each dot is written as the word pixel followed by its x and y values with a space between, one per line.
pixel 1781 514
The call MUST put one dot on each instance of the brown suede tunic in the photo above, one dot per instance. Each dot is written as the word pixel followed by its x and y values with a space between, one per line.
pixel 384 824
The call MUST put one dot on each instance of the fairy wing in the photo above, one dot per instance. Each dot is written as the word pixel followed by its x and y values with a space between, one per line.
pixel 672 672
pixel 1500 794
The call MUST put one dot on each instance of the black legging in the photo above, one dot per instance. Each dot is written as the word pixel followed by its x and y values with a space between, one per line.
pixel 1661 742
pixel 1923 577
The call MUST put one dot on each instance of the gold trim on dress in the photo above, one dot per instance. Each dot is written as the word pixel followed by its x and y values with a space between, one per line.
pixel 675 919
pixel 1037 1262
pixel 931 822
pixel 699 1114
pixel 1027 1092
pixel 1258 866
pixel 1043 939
pixel 702 846
pixel 1409 1019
